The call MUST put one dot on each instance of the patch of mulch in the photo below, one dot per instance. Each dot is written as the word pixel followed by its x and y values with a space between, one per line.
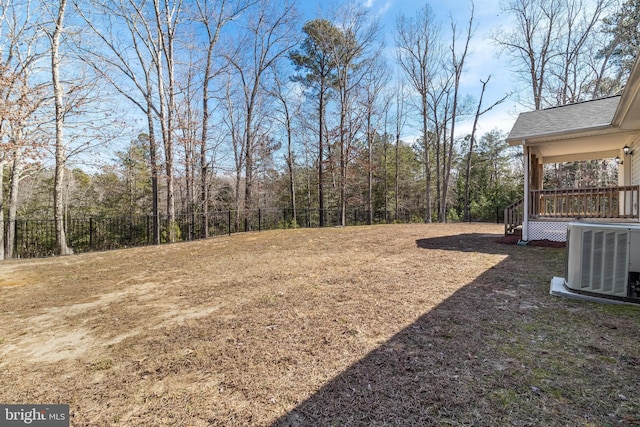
pixel 512 240
pixel 546 243
pixel 509 240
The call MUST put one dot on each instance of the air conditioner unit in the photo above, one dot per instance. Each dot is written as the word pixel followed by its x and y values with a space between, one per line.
pixel 604 259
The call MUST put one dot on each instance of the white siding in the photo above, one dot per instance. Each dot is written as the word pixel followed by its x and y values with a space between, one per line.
pixel 635 163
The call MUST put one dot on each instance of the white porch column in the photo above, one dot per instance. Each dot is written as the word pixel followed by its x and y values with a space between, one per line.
pixel 525 217
pixel 627 166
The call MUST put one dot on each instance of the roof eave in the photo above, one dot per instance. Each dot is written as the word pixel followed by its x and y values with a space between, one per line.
pixel 629 95
pixel 573 133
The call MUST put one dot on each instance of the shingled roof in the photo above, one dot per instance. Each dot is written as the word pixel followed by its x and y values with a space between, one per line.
pixel 582 116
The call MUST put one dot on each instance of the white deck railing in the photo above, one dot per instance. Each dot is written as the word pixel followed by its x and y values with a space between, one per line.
pixel 610 202
pixel 513 216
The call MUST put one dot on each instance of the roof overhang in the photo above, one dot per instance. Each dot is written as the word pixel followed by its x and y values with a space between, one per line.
pixel 627 115
pixel 589 130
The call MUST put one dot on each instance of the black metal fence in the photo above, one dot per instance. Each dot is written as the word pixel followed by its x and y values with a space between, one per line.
pixel 36 238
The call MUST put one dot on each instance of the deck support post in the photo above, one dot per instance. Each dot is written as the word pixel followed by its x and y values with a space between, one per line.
pixel 527 196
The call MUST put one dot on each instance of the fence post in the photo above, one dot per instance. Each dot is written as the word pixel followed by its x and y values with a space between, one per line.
pixel 259 220
pixel 229 212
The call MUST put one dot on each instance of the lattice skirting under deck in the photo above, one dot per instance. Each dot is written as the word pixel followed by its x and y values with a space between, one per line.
pixel 554 231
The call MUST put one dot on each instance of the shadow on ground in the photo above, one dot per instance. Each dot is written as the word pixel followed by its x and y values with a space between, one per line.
pixel 470 242
pixel 486 356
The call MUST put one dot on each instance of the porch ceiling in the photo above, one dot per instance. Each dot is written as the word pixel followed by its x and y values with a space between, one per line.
pixel 604 144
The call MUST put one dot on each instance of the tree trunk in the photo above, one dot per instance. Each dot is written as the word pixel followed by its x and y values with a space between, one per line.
pixel 321 156
pixel 60 149
pixel 237 196
pixel 439 143
pixel 14 181
pixel 308 174
pixel 343 168
pixel 290 165
pixel 385 155
pixel 2 165
pixel 153 165
pixel 171 208
pixel 168 153
pixel 248 161
pixel 397 184
pixel 397 148
pixel 292 183
pixel 189 177
pixel 344 83
pixel 370 170
pixel 427 166
pixel 204 193
pixel 167 105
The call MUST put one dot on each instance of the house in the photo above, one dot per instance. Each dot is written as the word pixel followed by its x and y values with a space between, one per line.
pixel 607 128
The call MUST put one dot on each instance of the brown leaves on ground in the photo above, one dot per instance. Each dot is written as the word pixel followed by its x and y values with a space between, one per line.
pixel 382 325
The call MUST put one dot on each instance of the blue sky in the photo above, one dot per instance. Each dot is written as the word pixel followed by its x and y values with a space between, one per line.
pixel 483 58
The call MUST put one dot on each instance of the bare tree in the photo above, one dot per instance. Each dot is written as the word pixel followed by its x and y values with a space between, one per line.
pixel 268 38
pixel 79 122
pixel 288 108
pixel 400 121
pixel 26 143
pixel 232 121
pixel 148 61
pixel 571 70
pixel 531 43
pixel 472 139
pixel 440 96
pixel 373 104
pixel 416 39
pixel 126 63
pixel 457 65
pixel 166 18
pixel 551 47
pixel 21 98
pixel 213 16
pixel 354 56
pixel 60 146
pixel 187 128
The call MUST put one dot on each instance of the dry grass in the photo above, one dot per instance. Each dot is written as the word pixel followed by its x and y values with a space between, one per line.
pixel 383 325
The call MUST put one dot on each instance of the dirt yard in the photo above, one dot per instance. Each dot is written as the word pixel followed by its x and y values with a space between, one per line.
pixel 381 325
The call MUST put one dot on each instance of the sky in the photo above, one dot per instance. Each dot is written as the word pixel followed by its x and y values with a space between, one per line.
pixel 482 60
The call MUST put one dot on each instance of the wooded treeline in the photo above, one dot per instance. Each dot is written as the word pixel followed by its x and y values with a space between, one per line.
pixel 237 104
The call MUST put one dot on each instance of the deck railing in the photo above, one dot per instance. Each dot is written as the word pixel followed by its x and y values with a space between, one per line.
pixel 513 216
pixel 610 202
